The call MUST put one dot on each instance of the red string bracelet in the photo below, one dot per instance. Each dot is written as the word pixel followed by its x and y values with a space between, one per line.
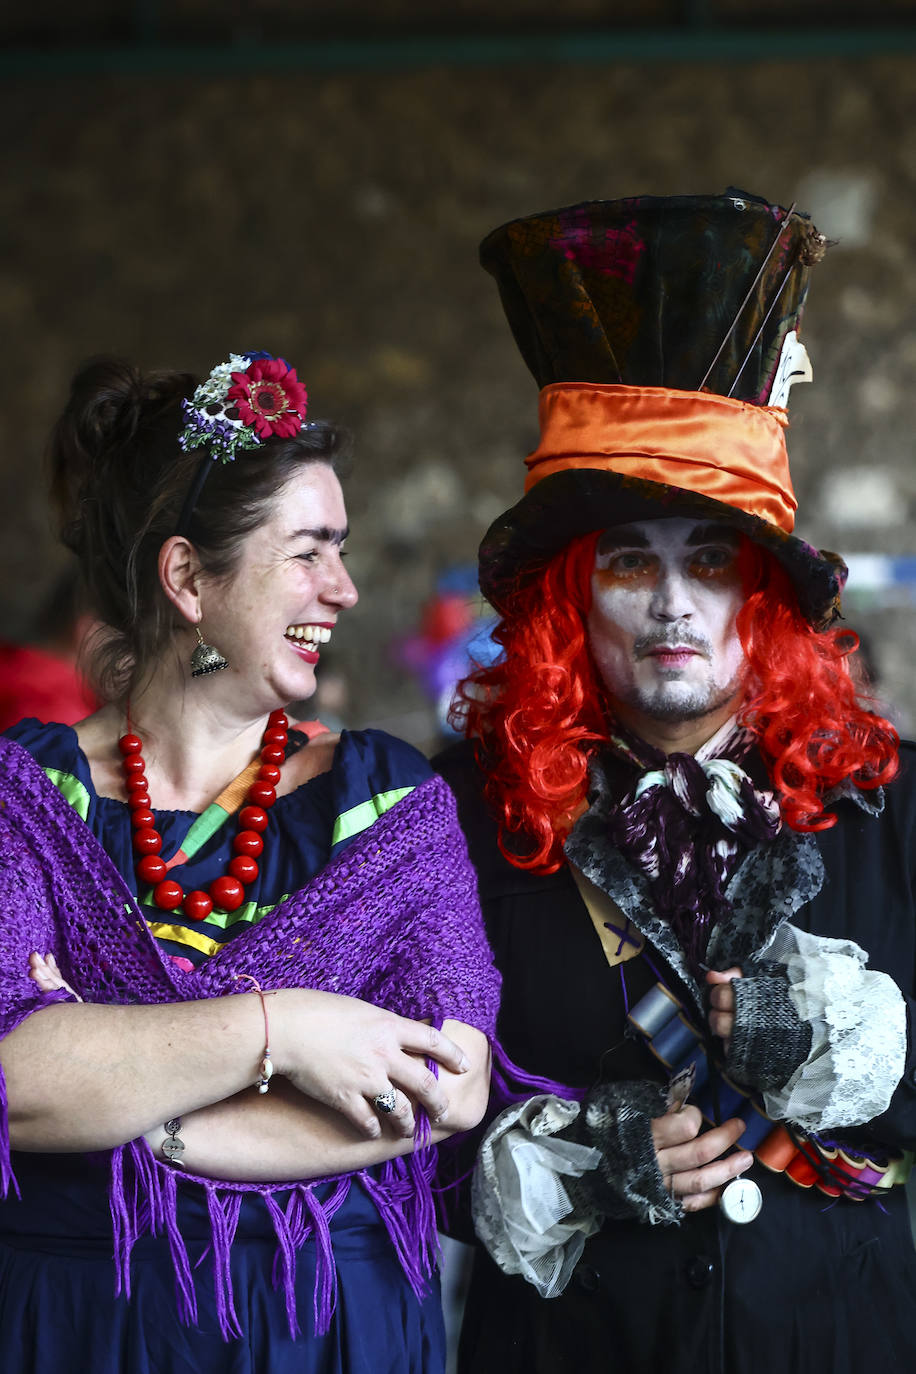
pixel 266 1070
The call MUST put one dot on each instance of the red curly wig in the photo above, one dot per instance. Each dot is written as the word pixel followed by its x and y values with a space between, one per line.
pixel 540 711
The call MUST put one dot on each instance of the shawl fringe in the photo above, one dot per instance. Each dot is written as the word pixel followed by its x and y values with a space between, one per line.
pixel 143 1196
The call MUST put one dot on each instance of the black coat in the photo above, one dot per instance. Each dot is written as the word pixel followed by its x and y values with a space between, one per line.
pixel 808 1287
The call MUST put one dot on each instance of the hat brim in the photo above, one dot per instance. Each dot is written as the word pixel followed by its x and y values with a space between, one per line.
pixel 568 504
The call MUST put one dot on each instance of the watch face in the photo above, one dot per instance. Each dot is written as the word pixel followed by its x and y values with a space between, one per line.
pixel 741 1200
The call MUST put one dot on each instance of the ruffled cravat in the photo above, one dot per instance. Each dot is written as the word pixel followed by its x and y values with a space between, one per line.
pixel 685 822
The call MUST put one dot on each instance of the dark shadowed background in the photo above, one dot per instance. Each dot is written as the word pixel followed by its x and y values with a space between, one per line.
pixel 186 179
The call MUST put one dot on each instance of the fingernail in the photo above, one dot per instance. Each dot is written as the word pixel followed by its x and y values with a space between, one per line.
pixel 464 1065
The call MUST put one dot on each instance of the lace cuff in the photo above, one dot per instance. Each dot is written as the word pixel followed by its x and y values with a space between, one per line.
pixel 522 1209
pixel 770 1040
pixel 858 1033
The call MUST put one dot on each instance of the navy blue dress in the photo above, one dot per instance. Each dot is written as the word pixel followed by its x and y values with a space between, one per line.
pixel 57 1305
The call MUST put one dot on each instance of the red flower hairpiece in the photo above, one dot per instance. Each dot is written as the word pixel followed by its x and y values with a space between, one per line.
pixel 269 398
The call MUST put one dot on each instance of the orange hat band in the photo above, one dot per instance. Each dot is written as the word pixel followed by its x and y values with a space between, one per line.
pixel 712 445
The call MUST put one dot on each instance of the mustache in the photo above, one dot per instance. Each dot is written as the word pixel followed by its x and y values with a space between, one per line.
pixel 670 639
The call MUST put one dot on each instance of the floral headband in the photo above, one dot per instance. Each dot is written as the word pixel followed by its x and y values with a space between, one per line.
pixel 244 401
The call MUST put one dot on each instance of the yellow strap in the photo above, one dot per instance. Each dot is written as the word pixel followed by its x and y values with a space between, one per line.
pixel 619 938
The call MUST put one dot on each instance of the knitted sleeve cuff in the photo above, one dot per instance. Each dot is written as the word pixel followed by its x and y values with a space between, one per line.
pixel 616 1118
pixel 550 1171
pixel 769 1040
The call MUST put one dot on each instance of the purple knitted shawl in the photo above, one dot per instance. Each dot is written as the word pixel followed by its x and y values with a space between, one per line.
pixel 394 920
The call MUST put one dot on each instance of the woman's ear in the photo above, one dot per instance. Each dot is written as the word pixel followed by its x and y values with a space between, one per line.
pixel 179 574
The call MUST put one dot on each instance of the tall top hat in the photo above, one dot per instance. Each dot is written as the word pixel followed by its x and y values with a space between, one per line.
pixel 663 332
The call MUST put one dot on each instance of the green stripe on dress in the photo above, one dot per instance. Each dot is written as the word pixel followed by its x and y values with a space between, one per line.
pixel 72 790
pixel 359 818
pixel 206 824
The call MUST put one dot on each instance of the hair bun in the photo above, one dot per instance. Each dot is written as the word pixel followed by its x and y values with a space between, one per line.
pixel 92 449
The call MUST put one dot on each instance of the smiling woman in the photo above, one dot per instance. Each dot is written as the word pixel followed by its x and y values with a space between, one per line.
pixel 241 960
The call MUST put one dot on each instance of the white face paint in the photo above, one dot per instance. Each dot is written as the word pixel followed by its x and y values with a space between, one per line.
pixel 661 627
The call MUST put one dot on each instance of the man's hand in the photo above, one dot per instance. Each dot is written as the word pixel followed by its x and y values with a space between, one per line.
pixel 722 1003
pixel 692 1164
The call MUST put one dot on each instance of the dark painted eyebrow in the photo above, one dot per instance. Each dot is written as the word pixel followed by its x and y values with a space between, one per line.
pixel 713 533
pixel 629 537
pixel 324 535
pixel 622 537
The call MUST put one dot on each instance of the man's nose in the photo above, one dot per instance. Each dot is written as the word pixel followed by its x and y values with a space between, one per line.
pixel 671 599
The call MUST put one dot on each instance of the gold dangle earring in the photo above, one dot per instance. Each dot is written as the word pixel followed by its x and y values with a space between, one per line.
pixel 205 659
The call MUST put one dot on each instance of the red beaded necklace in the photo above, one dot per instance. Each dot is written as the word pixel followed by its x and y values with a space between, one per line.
pixel 228 891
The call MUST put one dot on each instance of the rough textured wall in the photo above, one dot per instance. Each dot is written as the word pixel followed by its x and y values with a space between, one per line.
pixel 335 220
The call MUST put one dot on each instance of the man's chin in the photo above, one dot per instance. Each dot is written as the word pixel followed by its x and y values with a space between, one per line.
pixel 677 705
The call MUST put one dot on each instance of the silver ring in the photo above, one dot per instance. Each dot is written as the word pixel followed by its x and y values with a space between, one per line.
pixel 385 1102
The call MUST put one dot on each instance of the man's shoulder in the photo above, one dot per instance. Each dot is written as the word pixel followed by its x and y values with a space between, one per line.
pixel 902 790
pixel 458 765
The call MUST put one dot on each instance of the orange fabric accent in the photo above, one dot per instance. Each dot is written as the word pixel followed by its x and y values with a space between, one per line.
pixel 312 728
pixel 777 1149
pixel 729 450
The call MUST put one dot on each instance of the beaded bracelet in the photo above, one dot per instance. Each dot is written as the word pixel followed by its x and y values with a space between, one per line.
pixel 265 1072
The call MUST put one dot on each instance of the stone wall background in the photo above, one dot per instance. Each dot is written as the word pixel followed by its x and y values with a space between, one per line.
pixel 335 218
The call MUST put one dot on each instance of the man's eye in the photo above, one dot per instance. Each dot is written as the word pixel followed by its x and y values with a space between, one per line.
pixel 623 563
pixel 713 559
pixel 310 557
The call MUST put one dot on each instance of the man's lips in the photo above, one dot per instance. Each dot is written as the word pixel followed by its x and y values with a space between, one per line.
pixel 672 655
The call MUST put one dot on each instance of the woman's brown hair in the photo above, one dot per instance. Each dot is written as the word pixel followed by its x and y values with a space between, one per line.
pixel 119 480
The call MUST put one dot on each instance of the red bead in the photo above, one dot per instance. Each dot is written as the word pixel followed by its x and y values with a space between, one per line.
pixel 248 842
pixel 168 895
pixel 244 868
pixel 227 892
pixel 151 869
pixel 252 818
pixel 147 841
pixel 197 905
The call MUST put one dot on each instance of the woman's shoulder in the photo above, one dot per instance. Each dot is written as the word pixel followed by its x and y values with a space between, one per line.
pixel 389 761
pixel 51 744
pixel 56 749
pixel 369 773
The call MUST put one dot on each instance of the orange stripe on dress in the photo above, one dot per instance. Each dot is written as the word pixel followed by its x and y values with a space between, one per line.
pixel 729 450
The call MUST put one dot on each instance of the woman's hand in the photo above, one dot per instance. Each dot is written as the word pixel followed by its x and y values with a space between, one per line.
pixel 47 976
pixel 692 1163
pixel 344 1052
pixel 722 1003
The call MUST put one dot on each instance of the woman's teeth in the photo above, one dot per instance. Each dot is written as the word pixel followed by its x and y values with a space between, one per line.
pixel 311 634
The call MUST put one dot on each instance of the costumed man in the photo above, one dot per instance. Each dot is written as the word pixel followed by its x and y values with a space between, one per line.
pixel 695 846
